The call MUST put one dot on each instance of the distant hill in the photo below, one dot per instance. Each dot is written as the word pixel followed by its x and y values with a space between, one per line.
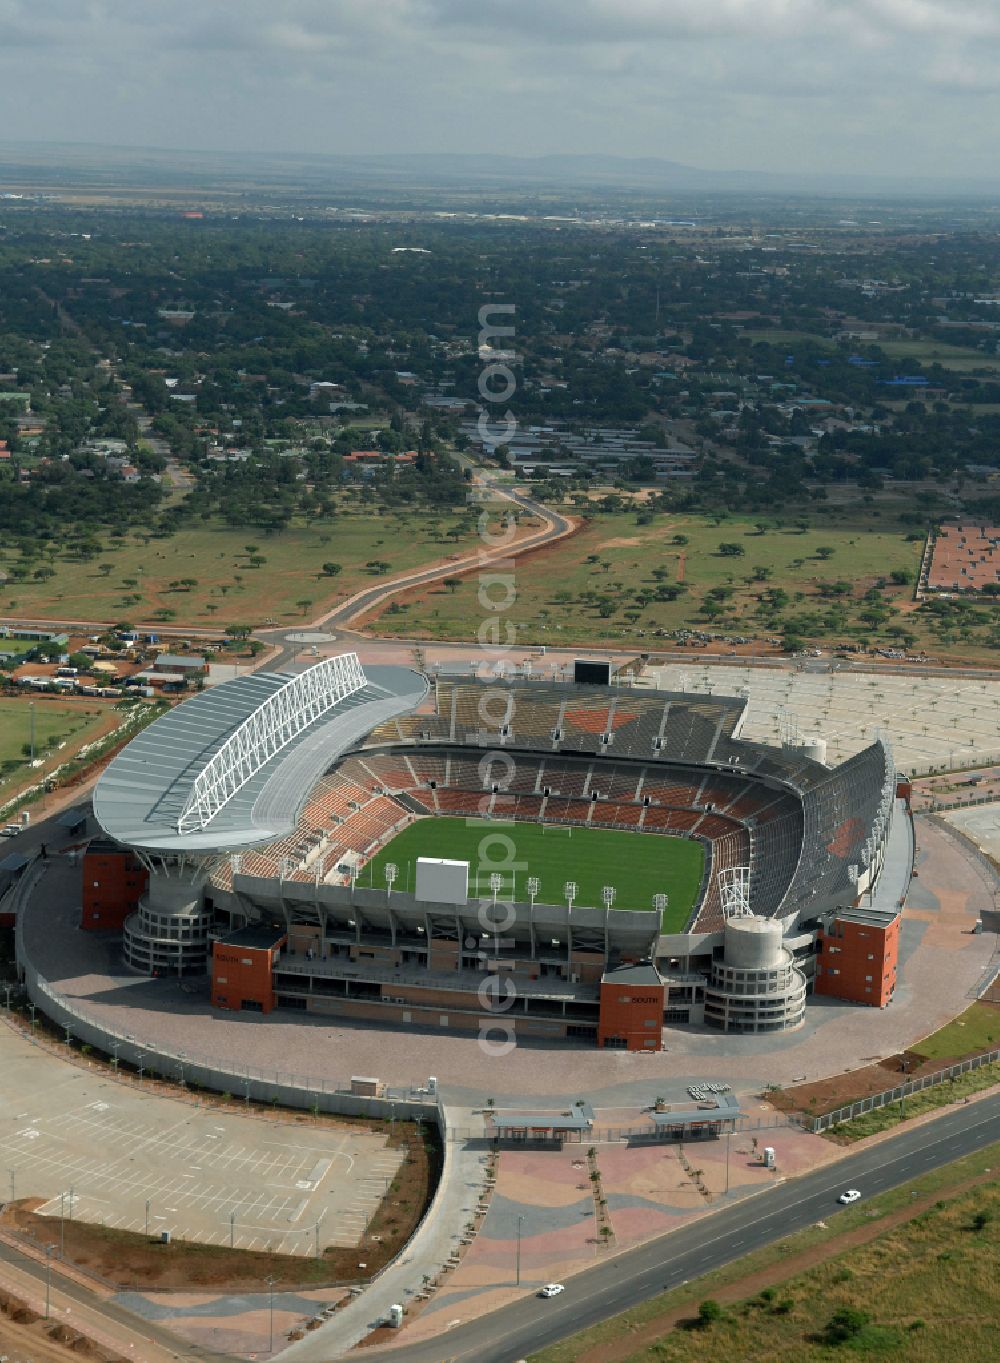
pixel 62 162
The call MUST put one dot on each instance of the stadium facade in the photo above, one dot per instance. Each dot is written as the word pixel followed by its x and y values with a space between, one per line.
pixel 247 814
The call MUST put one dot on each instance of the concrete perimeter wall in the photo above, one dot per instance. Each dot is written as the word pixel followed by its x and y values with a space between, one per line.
pixel 261 1086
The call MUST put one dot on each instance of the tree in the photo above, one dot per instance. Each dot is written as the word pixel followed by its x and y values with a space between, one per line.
pixel 731 549
pixel 105 569
pixel 709 1311
pixel 332 569
pixel 303 603
pixel 845 1324
pixel 825 551
pixel 453 583
pixel 902 576
pixel 239 631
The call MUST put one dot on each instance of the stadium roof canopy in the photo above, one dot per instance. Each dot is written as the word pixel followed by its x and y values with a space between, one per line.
pixel 232 767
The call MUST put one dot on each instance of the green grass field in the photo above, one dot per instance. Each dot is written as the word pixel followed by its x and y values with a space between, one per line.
pixel 977 1029
pixel 55 724
pixel 638 865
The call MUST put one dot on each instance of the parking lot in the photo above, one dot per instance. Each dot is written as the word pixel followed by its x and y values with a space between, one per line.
pixel 109 1153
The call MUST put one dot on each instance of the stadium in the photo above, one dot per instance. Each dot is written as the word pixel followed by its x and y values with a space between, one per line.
pixel 514 858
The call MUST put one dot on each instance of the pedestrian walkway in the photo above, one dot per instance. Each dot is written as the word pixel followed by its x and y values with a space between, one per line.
pixel 462 1182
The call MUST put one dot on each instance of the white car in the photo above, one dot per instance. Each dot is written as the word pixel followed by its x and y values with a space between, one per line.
pixel 551 1290
pixel 10 831
pixel 852 1195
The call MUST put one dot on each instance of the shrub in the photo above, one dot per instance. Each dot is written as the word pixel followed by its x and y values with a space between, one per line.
pixel 709 1311
pixel 845 1324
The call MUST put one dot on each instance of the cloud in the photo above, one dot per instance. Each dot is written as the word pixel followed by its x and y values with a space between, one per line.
pixel 865 84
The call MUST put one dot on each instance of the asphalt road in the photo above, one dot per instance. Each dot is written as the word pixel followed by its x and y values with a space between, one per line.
pixel 141 1330
pixel 530 1324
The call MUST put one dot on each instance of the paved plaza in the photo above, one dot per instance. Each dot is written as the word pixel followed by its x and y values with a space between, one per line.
pixel 99 1151
pixel 544 1199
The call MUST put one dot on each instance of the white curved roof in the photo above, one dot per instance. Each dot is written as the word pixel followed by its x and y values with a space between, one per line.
pixel 141 797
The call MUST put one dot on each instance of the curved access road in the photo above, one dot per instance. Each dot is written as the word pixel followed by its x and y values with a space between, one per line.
pixel 556 527
pixel 530 1324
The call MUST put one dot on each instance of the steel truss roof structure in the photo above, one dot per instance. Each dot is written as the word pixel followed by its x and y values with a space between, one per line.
pixel 232 766
pixel 271 727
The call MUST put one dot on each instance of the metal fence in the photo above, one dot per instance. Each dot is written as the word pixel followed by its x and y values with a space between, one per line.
pixel 899 1094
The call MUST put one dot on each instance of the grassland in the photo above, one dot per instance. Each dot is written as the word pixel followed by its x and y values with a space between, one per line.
pixel 962 359
pixel 216 580
pixel 977 1029
pixel 55 724
pixel 638 865
pixel 600 586
pixel 17 647
pixel 925 1279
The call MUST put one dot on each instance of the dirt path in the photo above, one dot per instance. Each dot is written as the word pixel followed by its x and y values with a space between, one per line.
pixel 681 566
pixel 632 1340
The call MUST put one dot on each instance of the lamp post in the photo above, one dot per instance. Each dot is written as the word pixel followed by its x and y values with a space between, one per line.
pixel 270 1313
pixel 517 1261
pixel 391 872
pixel 570 892
pixel 48 1277
pixel 149 1203
pixel 12 1176
pixel 608 896
pixel 660 902
pixel 140 1059
pixel 496 884
pixel 533 885
pixel 232 1227
pixel 62 1225
pixel 319 1222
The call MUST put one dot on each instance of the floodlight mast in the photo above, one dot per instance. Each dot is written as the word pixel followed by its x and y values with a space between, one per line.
pixel 570 892
pixel 263 734
pixel 533 885
pixel 608 895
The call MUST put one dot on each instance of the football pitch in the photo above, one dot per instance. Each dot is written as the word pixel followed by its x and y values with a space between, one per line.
pixel 638 865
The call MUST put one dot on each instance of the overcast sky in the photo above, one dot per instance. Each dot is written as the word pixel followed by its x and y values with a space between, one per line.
pixel 881 86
